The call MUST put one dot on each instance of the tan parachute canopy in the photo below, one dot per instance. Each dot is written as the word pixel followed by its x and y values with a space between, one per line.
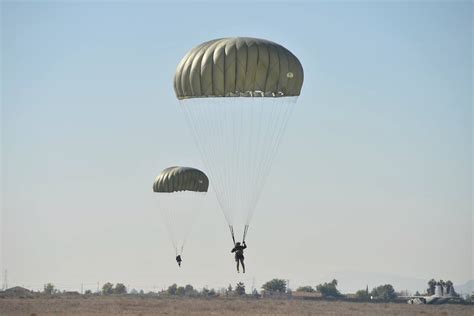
pixel 238 66
pixel 174 179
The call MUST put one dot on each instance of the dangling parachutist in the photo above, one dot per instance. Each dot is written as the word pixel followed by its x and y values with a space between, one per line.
pixel 239 255
pixel 173 185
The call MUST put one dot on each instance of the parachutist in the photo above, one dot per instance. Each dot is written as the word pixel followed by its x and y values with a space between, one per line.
pixel 237 94
pixel 173 186
pixel 239 255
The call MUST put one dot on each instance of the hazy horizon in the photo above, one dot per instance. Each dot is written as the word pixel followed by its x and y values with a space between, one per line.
pixel 373 177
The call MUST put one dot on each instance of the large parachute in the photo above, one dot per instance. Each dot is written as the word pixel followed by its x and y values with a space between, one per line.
pixel 181 191
pixel 237 95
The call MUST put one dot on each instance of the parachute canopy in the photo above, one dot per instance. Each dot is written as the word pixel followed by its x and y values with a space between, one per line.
pixel 238 66
pixel 175 179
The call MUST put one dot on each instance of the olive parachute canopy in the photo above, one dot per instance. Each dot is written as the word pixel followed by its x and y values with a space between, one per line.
pixel 238 66
pixel 175 179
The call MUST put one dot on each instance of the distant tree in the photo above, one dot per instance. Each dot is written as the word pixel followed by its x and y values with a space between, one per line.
pixel 172 289
pixel 107 288
pixel 468 298
pixel 449 286
pixel 141 292
pixel 120 289
pixel 133 291
pixel 307 288
pixel 329 289
pixel 363 294
pixel 417 293
pixel 240 288
pixel 431 287
pixel 212 292
pixel 49 289
pixel 189 290
pixel 275 286
pixel 88 292
pixel 229 290
pixel 384 292
pixel 180 291
pixel 255 293
pixel 442 284
pixel 205 291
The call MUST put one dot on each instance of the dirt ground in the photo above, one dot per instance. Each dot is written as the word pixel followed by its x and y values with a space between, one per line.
pixel 213 306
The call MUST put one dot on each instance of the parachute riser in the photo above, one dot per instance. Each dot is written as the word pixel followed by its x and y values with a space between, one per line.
pixel 246 228
pixel 245 232
pixel 232 233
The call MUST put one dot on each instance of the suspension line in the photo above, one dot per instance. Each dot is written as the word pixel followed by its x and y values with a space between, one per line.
pixel 232 233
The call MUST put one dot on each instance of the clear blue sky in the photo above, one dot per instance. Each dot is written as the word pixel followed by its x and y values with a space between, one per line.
pixel 378 151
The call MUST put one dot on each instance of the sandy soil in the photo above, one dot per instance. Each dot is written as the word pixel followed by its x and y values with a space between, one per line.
pixel 214 306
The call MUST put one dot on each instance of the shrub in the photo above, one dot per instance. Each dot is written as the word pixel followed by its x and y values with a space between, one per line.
pixel 362 294
pixel 120 289
pixel 180 291
pixel 107 288
pixel 240 288
pixel 172 289
pixel 49 289
pixel 189 290
pixel 385 292
pixel 329 289
pixel 307 288
pixel 275 286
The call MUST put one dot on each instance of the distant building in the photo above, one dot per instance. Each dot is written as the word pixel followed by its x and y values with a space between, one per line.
pixel 17 291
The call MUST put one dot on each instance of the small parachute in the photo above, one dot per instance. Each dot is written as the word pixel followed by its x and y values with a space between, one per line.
pixel 180 193
pixel 176 179
pixel 237 95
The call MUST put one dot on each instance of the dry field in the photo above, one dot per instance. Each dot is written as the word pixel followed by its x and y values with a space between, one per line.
pixel 214 306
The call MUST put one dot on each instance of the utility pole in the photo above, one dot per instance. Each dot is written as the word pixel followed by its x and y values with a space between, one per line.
pixel 82 288
pixel 287 285
pixel 5 280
